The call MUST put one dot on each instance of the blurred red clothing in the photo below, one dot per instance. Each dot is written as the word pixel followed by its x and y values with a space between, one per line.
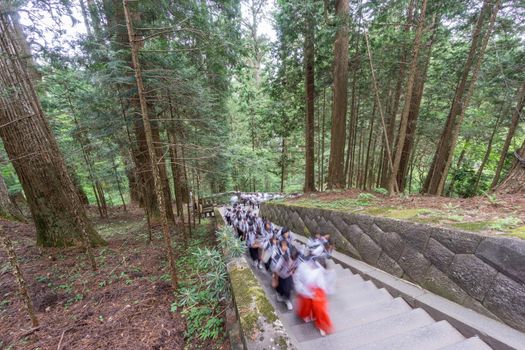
pixel 316 308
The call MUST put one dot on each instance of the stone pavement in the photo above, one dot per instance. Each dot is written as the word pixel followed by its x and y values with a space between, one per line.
pixel 366 317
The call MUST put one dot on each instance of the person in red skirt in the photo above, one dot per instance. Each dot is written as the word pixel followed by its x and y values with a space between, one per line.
pixel 311 289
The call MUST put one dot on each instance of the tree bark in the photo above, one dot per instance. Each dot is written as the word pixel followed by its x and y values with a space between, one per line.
pixel 369 143
pixel 435 180
pixel 321 170
pixel 486 156
pixel 336 166
pixel 516 115
pixel 393 107
pixel 151 148
pixel 35 155
pixel 408 96
pixel 161 164
pixel 413 115
pixel 514 183
pixel 309 60
pixel 283 163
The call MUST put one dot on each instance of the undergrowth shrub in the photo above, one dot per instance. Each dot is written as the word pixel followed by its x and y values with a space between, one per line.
pixel 231 246
pixel 202 291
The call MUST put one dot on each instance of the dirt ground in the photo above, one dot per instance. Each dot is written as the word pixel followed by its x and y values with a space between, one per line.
pixel 502 214
pixel 124 305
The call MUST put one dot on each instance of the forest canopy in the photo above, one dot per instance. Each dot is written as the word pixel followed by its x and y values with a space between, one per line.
pixel 257 95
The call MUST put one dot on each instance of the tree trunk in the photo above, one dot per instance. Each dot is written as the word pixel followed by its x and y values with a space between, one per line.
pixel 117 180
pixel 179 183
pixel 309 61
pixel 336 164
pixel 151 148
pixel 413 115
pixel 435 180
pixel 22 285
pixel 386 141
pixel 161 164
pixel 35 155
pixel 408 96
pixel 458 165
pixel 393 107
pixel 486 156
pixel 516 115
pixel 321 184
pixel 369 144
pixel 514 183
pixel 283 163
pixel 82 196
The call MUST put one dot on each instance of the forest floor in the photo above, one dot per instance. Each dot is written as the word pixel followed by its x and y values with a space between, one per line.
pixel 499 215
pixel 124 305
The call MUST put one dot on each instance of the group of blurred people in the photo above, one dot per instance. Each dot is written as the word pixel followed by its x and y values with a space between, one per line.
pixel 300 272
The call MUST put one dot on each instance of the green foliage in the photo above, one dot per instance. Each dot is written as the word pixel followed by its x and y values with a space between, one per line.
pixel 204 289
pixel 4 304
pixel 231 246
pixel 381 190
pixel 364 199
pixel 505 224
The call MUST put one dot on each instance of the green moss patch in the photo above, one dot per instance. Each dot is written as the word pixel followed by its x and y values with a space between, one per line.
pixel 251 301
pixel 518 232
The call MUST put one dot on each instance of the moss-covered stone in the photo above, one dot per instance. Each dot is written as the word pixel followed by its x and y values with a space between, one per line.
pixel 259 322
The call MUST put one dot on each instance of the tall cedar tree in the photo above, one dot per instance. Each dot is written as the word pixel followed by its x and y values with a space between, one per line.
pixel 435 180
pixel 409 91
pixel 151 146
pixel 516 115
pixel 309 62
pixel 117 27
pixel 59 217
pixel 336 165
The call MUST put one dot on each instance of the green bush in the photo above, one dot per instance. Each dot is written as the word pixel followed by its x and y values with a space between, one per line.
pixel 201 294
pixel 231 246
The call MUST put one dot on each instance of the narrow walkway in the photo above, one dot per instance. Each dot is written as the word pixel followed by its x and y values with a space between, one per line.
pixel 366 317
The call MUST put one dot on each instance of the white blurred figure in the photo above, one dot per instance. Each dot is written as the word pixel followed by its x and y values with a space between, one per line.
pixel 311 284
pixel 234 199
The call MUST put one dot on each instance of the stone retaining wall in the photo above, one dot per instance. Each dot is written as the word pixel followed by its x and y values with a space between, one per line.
pixel 486 274
pixel 259 326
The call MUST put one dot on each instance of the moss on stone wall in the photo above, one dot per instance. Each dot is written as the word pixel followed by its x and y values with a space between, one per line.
pixel 251 301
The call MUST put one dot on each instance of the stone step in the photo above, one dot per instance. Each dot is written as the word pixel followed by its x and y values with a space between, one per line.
pixel 345 272
pixel 356 291
pixel 351 318
pixel 361 313
pixel 373 331
pixel 431 337
pixel 351 282
pixel 362 299
pixel 473 343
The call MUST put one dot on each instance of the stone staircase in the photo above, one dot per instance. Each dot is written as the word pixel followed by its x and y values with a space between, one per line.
pixel 368 317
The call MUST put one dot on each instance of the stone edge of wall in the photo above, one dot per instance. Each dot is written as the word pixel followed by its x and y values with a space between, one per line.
pixel 466 320
pixel 258 324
